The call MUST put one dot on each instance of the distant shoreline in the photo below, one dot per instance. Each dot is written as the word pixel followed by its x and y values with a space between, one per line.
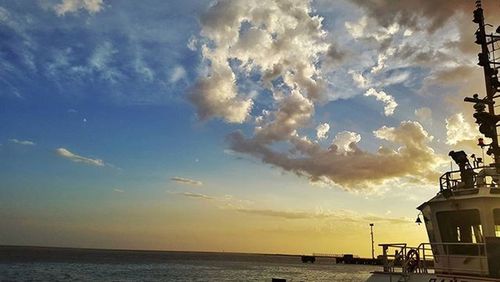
pixel 19 253
pixel 141 250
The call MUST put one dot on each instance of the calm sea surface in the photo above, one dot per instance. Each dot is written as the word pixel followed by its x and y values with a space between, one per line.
pixel 52 264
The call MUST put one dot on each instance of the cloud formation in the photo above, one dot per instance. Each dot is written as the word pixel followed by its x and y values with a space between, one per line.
pixel 410 13
pixel 423 114
pixel 322 131
pixel 22 142
pixel 186 181
pixel 251 49
pixel 65 153
pixel 196 195
pixel 389 102
pixel 458 129
pixel 230 203
pixel 278 41
pixel 282 214
pixel 71 6
pixel 350 166
pixel 177 73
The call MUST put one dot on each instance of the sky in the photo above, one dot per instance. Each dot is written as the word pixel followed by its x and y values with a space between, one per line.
pixel 230 125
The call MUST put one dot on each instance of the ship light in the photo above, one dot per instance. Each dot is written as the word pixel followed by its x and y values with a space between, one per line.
pixel 480 142
pixel 418 221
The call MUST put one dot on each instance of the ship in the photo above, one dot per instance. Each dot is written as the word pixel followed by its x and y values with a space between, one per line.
pixel 463 219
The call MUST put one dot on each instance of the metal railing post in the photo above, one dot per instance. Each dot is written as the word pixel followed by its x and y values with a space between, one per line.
pixel 385 261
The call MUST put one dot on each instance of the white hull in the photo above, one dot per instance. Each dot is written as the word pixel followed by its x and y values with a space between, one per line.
pixel 425 277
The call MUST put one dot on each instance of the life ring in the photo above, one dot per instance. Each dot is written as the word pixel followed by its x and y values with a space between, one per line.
pixel 412 260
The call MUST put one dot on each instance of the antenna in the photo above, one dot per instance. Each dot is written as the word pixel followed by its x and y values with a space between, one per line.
pixel 485 107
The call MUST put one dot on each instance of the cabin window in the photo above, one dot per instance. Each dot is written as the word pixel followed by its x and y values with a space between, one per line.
pixel 496 215
pixel 461 227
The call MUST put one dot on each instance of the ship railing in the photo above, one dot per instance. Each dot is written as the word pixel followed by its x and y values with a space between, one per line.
pixel 434 257
pixel 401 258
pixel 456 180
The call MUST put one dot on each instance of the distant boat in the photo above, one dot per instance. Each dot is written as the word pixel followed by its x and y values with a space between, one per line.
pixel 463 219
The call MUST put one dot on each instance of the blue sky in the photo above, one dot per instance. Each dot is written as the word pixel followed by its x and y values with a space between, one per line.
pixel 174 114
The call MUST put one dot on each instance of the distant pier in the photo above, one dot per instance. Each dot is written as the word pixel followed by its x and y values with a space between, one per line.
pixel 341 259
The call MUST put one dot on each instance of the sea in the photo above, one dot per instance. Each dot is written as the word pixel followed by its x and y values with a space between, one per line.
pixel 68 264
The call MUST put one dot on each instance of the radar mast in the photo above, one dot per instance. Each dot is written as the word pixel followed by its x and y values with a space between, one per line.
pixel 488 60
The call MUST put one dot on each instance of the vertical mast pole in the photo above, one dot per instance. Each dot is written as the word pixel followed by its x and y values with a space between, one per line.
pixel 490 92
pixel 373 248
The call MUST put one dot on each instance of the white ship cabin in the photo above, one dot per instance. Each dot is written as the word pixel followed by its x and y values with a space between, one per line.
pixel 463 220
pixel 463 225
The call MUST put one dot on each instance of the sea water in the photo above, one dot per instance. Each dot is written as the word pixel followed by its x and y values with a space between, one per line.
pixel 172 266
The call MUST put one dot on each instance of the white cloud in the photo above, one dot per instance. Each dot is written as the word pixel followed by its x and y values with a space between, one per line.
pixel 177 74
pixel 281 41
pixel 285 46
pixel 195 195
pixel 322 131
pixel 367 28
pixel 382 58
pixel 192 43
pixel 389 102
pixel 423 114
pixel 118 190
pixel 71 6
pixel 458 129
pixel 346 141
pixel 22 142
pixel 187 181
pixel 357 30
pixel 65 153
pixel 359 79
pixel 101 61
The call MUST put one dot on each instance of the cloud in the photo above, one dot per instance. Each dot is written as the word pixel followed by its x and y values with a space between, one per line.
pixel 177 74
pixel 388 100
pixel 412 13
pixel 345 141
pixel 341 216
pixel 65 153
pixel 276 40
pixel 335 55
pixel 458 129
pixel 423 114
pixel 230 203
pixel 118 190
pixel 71 6
pixel 101 61
pixel 22 142
pixel 353 169
pixel 280 50
pixel 282 214
pixel 194 195
pixel 322 131
pixel 187 181
pixel 359 79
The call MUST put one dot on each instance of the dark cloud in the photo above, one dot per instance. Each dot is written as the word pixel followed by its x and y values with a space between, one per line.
pixel 409 13
pixel 335 54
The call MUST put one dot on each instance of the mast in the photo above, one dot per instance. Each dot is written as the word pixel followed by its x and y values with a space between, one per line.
pixel 487 120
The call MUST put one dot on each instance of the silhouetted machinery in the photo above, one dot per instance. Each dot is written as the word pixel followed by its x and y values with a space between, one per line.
pixel 484 107
pixel 466 172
